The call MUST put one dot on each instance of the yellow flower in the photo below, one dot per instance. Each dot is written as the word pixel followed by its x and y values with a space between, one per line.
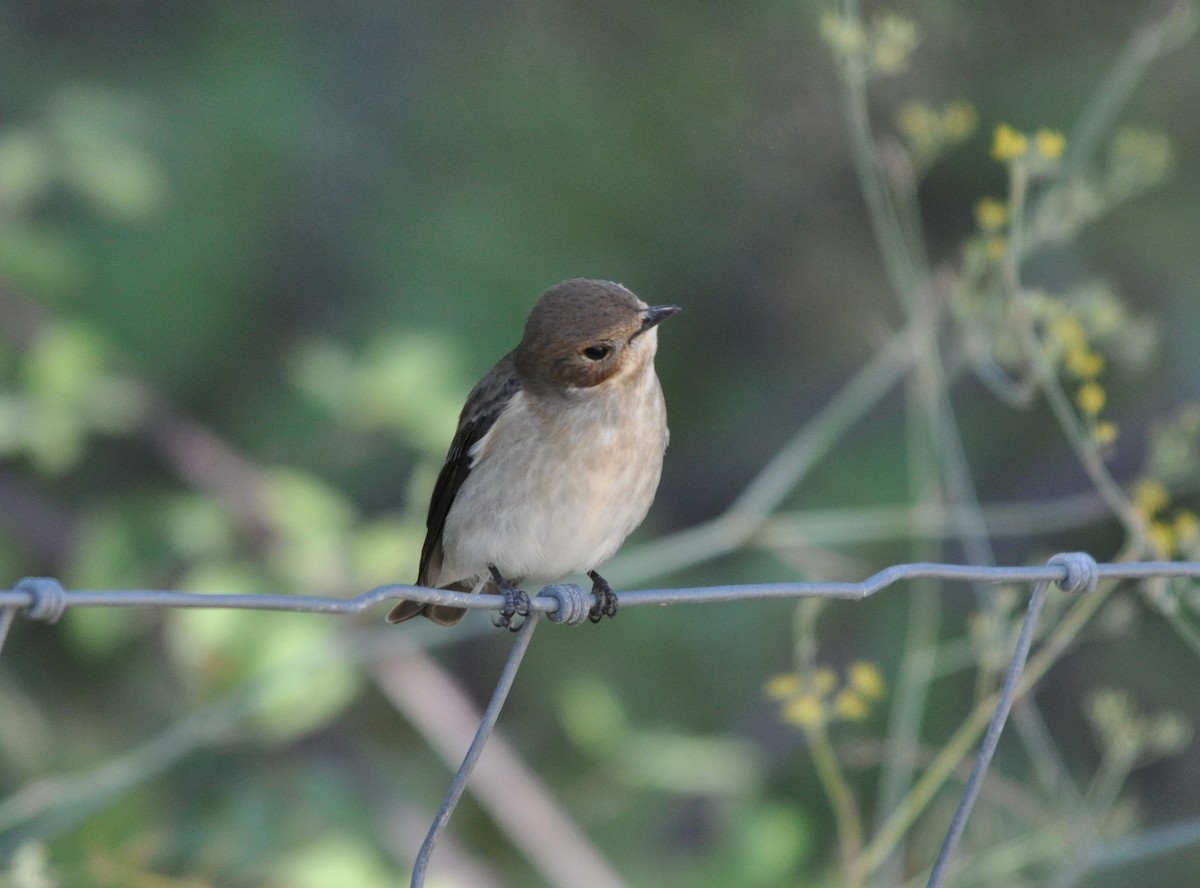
pixel 1049 143
pixel 813 700
pixel 1008 144
pixel 959 120
pixel 1105 433
pixel 865 679
pixel 894 40
pixel 1186 526
pixel 1082 362
pixel 927 132
pixel 1068 331
pixel 805 711
pixel 1162 537
pixel 850 706
pixel 844 35
pixel 991 213
pixel 995 248
pixel 919 124
pixel 1150 497
pixel 782 686
pixel 1090 398
pixel 825 680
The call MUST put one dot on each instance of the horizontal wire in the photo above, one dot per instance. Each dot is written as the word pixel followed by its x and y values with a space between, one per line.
pixel 26 598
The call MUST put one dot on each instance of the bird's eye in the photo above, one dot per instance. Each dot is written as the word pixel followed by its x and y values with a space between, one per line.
pixel 596 352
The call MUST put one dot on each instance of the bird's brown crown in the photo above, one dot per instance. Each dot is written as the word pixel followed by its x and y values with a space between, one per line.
pixel 580 333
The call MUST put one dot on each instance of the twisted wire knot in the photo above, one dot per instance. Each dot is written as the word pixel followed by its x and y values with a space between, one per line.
pixel 574 603
pixel 1082 573
pixel 48 599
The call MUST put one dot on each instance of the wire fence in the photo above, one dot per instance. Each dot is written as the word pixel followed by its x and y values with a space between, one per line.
pixel 45 599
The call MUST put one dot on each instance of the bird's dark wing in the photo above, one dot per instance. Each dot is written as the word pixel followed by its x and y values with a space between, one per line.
pixel 484 404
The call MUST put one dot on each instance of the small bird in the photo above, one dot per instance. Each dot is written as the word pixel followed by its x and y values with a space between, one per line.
pixel 557 455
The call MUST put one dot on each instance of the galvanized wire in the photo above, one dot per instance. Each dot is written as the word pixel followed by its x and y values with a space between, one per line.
pixel 992 738
pixel 44 598
pixel 486 724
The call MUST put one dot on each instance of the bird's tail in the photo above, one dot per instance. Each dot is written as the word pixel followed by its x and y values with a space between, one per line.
pixel 442 614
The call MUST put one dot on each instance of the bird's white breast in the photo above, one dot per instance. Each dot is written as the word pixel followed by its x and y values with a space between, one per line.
pixel 558 482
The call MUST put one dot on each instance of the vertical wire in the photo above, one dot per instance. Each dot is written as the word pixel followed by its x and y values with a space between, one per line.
pixel 490 715
pixel 7 615
pixel 992 737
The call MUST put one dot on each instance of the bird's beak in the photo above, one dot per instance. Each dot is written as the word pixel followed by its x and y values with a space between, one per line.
pixel 656 314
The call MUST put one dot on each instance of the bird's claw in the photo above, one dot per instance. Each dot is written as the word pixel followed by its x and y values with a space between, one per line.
pixel 516 603
pixel 606 599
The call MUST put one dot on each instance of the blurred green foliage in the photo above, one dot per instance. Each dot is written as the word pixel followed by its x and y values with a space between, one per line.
pixel 253 256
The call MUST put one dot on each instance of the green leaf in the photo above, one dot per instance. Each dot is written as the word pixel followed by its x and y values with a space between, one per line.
pixel 336 861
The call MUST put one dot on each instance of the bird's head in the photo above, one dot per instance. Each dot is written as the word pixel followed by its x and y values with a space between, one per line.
pixel 582 333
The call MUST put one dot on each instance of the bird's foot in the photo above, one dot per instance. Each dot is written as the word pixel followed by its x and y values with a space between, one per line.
pixel 606 598
pixel 516 603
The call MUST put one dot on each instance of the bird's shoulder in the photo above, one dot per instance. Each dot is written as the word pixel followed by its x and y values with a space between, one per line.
pixel 485 403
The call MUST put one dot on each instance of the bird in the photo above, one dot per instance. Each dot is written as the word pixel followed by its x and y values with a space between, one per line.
pixel 556 458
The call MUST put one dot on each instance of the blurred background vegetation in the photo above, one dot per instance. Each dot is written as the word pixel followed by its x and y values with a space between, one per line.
pixel 252 257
